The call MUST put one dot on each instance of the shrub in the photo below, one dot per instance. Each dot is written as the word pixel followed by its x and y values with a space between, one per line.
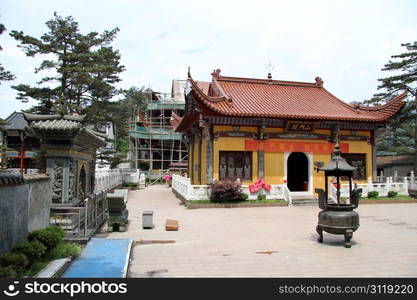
pixel 50 236
pixel 7 272
pixel 64 250
pixel 16 261
pixel 33 250
pixel 392 194
pixel 226 191
pixel 373 194
pixel 261 197
pixel 130 184
pixel 244 197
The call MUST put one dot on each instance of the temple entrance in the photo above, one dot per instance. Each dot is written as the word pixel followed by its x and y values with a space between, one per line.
pixel 297 172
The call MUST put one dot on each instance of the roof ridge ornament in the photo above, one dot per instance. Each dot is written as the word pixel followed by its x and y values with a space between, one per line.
pixel 269 67
pixel 216 73
pixel 319 81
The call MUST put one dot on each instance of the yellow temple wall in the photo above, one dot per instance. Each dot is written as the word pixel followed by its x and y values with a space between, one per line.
pixel 274 161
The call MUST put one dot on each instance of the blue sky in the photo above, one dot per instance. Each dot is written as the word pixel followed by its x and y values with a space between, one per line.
pixel 346 43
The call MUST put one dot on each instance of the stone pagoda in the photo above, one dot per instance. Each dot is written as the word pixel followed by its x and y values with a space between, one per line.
pixel 70 151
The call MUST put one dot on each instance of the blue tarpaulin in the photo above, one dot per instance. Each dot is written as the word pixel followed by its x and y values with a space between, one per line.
pixel 101 258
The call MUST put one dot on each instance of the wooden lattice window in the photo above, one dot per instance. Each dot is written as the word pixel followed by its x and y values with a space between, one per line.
pixel 235 164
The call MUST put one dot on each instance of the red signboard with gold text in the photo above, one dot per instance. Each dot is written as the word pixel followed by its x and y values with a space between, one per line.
pixel 275 146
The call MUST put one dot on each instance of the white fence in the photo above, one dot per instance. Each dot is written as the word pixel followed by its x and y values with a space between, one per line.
pixel 182 186
pixel 382 188
pixel 107 179
pixel 28 171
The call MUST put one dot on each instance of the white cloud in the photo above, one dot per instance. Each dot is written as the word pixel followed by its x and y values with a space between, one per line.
pixel 344 42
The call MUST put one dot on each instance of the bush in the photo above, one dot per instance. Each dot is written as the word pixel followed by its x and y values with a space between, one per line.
pixel 373 194
pixel 130 184
pixel 261 197
pixel 226 191
pixel 64 250
pixel 50 236
pixel 392 194
pixel 7 272
pixel 33 250
pixel 244 197
pixel 16 261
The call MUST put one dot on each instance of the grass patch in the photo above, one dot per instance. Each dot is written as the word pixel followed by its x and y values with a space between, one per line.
pixel 344 199
pixel 236 202
pixel 387 198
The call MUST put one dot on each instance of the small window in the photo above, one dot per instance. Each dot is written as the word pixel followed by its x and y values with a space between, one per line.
pixel 357 160
pixel 235 164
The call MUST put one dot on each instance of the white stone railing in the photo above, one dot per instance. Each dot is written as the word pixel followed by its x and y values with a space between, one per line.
pixel 287 194
pixel 28 171
pixel 182 186
pixel 107 179
pixel 382 188
pixel 131 175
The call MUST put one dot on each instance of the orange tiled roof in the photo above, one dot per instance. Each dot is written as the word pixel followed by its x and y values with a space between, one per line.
pixel 234 96
pixel 175 120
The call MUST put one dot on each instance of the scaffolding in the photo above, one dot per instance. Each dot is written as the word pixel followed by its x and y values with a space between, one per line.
pixel 153 144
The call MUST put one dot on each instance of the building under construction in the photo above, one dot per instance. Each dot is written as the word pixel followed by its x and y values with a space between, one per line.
pixel 153 144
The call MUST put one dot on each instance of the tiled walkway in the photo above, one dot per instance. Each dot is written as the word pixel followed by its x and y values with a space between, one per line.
pixel 266 241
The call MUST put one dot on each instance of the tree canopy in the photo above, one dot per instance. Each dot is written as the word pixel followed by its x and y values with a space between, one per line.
pixel 4 75
pixel 400 136
pixel 81 68
pixel 121 113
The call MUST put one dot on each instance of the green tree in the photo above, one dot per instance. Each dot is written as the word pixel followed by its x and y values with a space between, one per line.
pixel 121 112
pixel 401 134
pixel 82 68
pixel 4 75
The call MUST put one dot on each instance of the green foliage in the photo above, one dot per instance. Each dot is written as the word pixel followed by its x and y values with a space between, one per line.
pixel 392 194
pixel 373 194
pixel 244 197
pixel 33 250
pixel 4 75
pixel 261 197
pixel 84 68
pixel 50 236
pixel 130 184
pixel 28 258
pixel 399 136
pixel 17 261
pixel 122 145
pixel 64 250
pixel 7 272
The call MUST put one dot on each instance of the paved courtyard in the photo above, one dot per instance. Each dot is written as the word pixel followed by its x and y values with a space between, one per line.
pixel 266 241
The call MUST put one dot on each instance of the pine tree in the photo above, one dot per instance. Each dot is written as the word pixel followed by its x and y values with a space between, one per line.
pixel 4 75
pixel 82 72
pixel 120 113
pixel 401 134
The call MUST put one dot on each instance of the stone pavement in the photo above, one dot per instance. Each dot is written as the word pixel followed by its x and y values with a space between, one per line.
pixel 266 241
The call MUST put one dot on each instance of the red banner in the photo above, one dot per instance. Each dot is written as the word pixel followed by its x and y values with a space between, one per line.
pixel 275 146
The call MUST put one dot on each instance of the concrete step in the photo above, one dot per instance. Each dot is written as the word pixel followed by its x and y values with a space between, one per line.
pixel 304 201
